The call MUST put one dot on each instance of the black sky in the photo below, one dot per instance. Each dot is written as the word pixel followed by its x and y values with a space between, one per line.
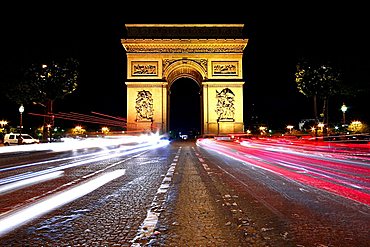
pixel 278 37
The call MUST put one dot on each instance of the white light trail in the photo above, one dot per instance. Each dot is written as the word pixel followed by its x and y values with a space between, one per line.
pixel 103 155
pixel 100 153
pixel 14 219
pixel 29 181
pixel 73 144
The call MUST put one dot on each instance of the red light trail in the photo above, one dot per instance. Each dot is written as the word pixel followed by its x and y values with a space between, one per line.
pixel 338 173
pixel 78 117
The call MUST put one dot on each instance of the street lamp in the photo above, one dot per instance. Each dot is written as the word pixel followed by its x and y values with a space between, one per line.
pixel 344 109
pixel 105 130
pixel 321 125
pixel 3 123
pixel 262 130
pixel 21 110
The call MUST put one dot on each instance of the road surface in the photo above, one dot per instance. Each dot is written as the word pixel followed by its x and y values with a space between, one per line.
pixel 185 193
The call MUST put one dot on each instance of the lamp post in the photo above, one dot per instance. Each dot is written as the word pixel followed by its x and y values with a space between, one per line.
pixel 344 109
pixel 290 127
pixel 3 123
pixel 321 125
pixel 21 110
pixel 218 126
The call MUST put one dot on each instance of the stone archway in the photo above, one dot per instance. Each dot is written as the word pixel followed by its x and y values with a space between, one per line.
pixel 183 68
pixel 184 117
pixel 209 54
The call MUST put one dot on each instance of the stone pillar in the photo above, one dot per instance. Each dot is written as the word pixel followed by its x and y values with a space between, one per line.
pixel 223 107
pixel 146 106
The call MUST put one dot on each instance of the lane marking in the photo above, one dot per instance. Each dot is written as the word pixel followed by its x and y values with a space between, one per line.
pixel 146 229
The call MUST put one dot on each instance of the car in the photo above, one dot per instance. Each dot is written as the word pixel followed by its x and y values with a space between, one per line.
pixel 13 138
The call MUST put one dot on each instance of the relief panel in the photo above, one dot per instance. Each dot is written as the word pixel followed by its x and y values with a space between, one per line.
pixel 225 108
pixel 144 68
pixel 225 68
pixel 144 106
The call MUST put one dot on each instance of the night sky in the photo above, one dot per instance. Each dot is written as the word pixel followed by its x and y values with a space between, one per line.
pixel 277 40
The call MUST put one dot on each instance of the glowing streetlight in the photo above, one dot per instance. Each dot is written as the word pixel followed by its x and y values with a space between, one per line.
pixel 105 130
pixel 3 123
pixel 262 130
pixel 321 126
pixel 49 132
pixel 344 109
pixel 290 127
pixel 21 110
pixel 356 126
pixel 78 130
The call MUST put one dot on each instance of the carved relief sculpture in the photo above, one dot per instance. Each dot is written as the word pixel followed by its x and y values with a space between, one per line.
pixel 201 62
pixel 144 106
pixel 225 105
pixel 144 68
pixel 225 68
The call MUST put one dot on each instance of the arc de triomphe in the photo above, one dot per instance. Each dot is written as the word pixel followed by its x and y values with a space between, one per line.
pixel 209 54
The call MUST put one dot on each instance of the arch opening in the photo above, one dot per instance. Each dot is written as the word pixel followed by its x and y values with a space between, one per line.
pixel 185 108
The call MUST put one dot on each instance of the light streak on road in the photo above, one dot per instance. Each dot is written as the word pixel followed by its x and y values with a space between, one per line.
pixel 78 117
pixel 343 150
pixel 69 144
pixel 14 219
pixel 29 181
pixel 150 143
pixel 332 172
pixel 85 144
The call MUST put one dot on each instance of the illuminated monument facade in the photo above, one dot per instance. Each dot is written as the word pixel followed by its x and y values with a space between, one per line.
pixel 209 54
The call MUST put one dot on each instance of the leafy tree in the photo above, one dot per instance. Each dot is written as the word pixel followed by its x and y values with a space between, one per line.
pixel 44 83
pixel 319 81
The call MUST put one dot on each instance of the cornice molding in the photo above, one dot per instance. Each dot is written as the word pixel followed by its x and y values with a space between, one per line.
pixel 185 31
pixel 146 84
pixel 184 45
pixel 223 84
pixel 184 25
